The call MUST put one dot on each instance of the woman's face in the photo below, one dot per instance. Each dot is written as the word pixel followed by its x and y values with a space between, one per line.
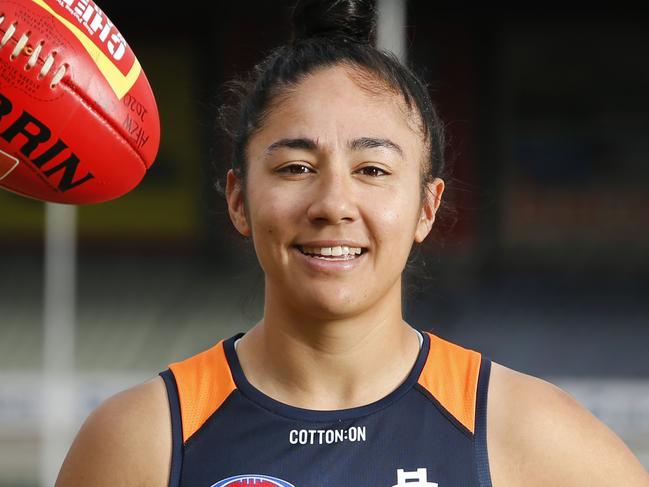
pixel 334 166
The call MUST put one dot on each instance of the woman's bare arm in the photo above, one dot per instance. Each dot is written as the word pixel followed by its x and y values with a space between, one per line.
pixel 538 435
pixel 126 441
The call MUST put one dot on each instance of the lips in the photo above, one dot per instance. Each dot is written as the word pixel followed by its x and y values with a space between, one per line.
pixel 332 243
pixel 330 263
pixel 337 251
pixel 330 257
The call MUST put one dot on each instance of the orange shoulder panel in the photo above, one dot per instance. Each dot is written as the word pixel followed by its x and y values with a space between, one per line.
pixel 451 376
pixel 204 382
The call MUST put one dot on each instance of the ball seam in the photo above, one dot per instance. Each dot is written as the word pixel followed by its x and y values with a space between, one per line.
pixel 101 114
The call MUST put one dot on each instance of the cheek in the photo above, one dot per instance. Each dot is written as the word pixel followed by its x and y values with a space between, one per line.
pixel 394 217
pixel 266 232
pixel 272 213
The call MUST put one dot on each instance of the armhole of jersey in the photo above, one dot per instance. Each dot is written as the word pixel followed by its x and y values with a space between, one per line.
pixel 481 454
pixel 450 379
pixel 176 428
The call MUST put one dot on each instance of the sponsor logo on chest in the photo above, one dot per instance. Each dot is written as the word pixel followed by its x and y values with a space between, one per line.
pixel 418 478
pixel 353 434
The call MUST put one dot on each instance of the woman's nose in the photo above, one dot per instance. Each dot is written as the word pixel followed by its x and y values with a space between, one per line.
pixel 333 199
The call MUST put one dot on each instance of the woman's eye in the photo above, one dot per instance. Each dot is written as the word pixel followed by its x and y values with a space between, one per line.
pixel 373 171
pixel 294 169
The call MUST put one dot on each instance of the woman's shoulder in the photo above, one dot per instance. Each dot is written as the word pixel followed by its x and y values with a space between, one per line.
pixel 126 440
pixel 540 435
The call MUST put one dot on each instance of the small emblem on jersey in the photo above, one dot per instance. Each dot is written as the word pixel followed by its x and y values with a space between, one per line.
pixel 418 478
pixel 252 480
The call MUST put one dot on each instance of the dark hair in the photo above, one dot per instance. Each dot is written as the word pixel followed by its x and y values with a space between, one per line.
pixel 328 33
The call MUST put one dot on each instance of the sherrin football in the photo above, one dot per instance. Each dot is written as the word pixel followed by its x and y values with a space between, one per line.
pixel 78 119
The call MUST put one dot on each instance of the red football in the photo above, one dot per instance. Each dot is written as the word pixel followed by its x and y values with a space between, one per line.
pixel 78 119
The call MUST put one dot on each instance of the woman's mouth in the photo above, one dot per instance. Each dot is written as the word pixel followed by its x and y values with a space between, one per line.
pixel 331 259
pixel 337 253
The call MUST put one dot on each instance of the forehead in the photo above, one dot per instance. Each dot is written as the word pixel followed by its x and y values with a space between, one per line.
pixel 337 104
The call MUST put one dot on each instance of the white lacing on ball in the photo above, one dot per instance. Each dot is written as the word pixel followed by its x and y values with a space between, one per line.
pixel 31 62
pixel 59 75
pixel 10 31
pixel 34 57
pixel 47 65
pixel 20 45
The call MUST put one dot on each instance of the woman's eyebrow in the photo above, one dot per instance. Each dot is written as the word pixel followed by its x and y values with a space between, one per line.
pixel 301 143
pixel 356 144
pixel 373 142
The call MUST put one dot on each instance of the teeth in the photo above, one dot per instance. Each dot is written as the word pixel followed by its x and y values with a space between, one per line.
pixel 333 251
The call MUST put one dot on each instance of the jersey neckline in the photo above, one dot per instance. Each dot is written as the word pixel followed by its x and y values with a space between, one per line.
pixel 286 410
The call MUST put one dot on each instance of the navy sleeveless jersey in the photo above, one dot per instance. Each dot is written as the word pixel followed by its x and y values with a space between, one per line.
pixel 429 432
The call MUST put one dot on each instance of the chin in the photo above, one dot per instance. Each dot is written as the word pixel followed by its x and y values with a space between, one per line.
pixel 330 307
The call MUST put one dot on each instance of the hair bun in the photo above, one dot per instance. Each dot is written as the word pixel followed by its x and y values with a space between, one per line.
pixel 350 20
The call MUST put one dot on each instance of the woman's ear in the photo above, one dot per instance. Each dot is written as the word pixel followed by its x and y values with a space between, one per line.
pixel 236 204
pixel 432 200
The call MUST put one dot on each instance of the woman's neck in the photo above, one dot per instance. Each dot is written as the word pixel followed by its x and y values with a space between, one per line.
pixel 328 364
pixel 419 336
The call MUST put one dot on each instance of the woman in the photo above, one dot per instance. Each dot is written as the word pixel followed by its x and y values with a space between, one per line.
pixel 336 174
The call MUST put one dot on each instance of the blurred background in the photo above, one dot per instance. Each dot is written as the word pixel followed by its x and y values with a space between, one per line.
pixel 545 270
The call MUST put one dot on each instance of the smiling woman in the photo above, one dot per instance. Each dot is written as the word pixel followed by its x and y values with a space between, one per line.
pixel 335 165
pixel 337 173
